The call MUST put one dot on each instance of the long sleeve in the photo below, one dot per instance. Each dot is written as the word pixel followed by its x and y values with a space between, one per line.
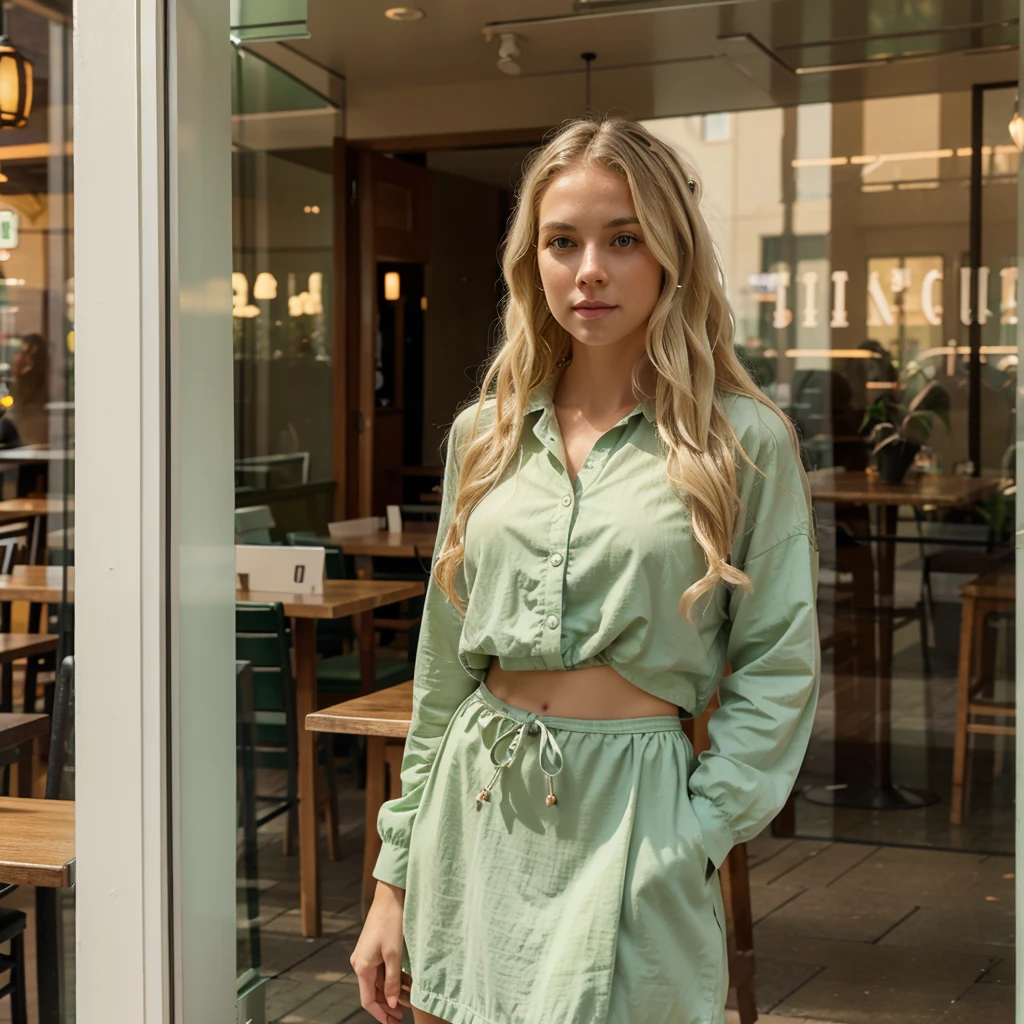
pixel 759 734
pixel 440 685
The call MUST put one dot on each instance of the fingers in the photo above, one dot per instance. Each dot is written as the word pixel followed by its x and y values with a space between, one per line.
pixel 366 976
pixel 392 976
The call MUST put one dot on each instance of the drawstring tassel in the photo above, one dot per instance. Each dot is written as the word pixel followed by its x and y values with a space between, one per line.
pixel 485 793
pixel 550 799
pixel 514 734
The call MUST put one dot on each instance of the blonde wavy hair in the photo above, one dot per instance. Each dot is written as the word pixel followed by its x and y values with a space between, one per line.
pixel 689 342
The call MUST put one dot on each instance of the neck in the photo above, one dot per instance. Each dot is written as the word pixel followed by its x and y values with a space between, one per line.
pixel 599 379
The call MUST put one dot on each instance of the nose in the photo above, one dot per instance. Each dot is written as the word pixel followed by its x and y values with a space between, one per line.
pixel 591 271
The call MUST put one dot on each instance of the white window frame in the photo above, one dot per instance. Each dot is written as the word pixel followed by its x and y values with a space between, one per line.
pixel 155 709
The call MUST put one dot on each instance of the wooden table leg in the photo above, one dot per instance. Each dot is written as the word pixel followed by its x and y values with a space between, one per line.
pixel 375 772
pixel 304 633
pixel 25 769
pixel 367 653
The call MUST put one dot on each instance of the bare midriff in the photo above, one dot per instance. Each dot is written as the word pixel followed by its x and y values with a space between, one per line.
pixel 596 692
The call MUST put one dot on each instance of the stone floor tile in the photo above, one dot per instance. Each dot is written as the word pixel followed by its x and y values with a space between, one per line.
pixel 960 923
pixel 921 873
pixel 280 953
pixel 329 964
pixel 983 1004
pixel 330 1005
pixel 284 995
pixel 778 979
pixel 770 870
pixel 829 914
pixel 825 866
pixel 765 899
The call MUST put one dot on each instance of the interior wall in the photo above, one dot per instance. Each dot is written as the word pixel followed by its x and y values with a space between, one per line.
pixel 466 225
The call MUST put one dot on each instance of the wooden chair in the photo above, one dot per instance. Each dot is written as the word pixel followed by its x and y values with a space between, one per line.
pixel 18 734
pixel 988 595
pixel 384 718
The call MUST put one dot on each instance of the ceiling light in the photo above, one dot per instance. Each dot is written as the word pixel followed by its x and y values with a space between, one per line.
pixel 15 83
pixel 405 14
pixel 508 54
pixel 1016 127
pixel 392 286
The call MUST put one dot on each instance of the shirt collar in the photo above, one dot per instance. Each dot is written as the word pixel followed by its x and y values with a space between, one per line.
pixel 543 398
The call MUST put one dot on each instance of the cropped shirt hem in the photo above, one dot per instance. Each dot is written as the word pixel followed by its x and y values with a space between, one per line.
pixel 392 864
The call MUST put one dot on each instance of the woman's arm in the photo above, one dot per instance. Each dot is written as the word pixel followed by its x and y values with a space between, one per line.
pixel 440 685
pixel 759 735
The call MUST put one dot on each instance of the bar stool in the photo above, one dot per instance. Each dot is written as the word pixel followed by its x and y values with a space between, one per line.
pixel 992 593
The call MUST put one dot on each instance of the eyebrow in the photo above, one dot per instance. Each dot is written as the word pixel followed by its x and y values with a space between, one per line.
pixel 561 225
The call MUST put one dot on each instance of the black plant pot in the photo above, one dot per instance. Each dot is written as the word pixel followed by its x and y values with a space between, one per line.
pixel 895 459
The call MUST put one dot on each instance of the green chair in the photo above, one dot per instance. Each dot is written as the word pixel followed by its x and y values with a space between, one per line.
pixel 337 670
pixel 253 525
pixel 262 638
pixel 341 674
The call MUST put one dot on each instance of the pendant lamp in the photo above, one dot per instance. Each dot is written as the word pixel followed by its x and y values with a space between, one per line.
pixel 15 82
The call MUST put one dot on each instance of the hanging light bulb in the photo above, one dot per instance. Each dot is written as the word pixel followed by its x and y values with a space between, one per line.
pixel 1016 126
pixel 15 83
pixel 265 286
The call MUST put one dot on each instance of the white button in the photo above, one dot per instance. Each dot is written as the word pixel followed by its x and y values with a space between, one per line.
pixel 566 499
pixel 552 622
pixel 556 559
pixel 588 464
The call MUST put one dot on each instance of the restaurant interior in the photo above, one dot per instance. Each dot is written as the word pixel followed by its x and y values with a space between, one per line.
pixel 858 167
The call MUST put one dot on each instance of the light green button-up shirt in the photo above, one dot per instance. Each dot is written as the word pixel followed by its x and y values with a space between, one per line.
pixel 562 574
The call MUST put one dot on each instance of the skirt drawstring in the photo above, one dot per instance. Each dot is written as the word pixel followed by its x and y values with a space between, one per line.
pixel 549 754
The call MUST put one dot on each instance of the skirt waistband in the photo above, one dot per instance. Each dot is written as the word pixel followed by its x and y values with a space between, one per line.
pixel 657 723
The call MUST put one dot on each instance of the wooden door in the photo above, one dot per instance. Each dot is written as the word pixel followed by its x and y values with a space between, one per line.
pixel 385 215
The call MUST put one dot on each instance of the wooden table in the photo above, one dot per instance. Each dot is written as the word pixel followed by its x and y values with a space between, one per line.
pixel 37 847
pixel 38 584
pixel 339 599
pixel 378 716
pixel 872 708
pixel 37 842
pixel 382 544
pixel 19 732
pixel 35 510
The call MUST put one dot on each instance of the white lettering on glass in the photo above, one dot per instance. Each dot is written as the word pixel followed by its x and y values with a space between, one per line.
pixel 932 312
pixel 783 317
pixel 839 317
pixel 809 279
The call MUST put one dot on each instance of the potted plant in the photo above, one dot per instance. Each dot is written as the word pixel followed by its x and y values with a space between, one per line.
pixel 900 423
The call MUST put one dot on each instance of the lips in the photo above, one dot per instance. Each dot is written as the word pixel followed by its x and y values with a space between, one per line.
pixel 590 310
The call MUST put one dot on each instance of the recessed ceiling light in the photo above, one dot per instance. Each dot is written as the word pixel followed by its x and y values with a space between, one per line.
pixel 405 13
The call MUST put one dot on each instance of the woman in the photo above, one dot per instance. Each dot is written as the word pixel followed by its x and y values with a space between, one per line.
pixel 623 513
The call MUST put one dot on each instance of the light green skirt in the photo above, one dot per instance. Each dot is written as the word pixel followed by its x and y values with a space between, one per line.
pixel 588 908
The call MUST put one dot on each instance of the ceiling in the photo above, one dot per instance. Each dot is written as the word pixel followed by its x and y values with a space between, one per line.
pixel 747 50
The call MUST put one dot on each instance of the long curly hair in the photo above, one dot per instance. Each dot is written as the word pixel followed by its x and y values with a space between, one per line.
pixel 689 343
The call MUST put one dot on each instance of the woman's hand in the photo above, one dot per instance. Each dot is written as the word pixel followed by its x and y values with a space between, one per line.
pixel 377 958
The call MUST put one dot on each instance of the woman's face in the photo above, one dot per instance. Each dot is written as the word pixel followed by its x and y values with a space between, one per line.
pixel 600 280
